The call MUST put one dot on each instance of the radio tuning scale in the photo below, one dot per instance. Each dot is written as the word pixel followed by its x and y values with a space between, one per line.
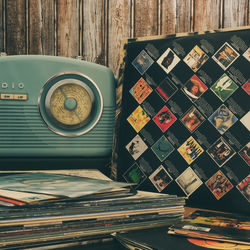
pixel 70 104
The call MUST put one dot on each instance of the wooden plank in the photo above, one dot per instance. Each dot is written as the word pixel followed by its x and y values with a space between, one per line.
pixel 120 27
pixel 168 17
pixel 176 16
pixel 2 26
pixel 206 15
pixel 35 27
pixel 146 18
pixel 48 27
pixel 184 16
pixel 68 28
pixel 94 31
pixel 41 27
pixel 235 13
pixel 16 27
pixel 248 13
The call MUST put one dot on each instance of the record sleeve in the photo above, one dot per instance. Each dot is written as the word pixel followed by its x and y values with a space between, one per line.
pixel 157 238
pixel 59 185
pixel 183 125
pixel 212 225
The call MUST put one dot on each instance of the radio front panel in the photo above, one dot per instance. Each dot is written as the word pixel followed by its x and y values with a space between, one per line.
pixel 55 107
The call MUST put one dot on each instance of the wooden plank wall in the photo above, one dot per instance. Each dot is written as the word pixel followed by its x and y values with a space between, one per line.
pixel 94 29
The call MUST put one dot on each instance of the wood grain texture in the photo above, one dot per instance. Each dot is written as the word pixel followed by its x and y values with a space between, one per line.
pixel 120 27
pixel 68 28
pixel 35 27
pixel 40 27
pixel 94 31
pixel 248 13
pixel 168 17
pixel 184 16
pixel 207 15
pixel 16 27
pixel 145 18
pixel 2 18
pixel 176 16
pixel 235 13
pixel 48 27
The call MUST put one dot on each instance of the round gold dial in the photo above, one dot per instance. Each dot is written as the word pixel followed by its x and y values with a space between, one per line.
pixel 70 104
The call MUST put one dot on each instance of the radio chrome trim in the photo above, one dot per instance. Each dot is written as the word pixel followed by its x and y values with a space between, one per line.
pixel 58 85
pixel 67 134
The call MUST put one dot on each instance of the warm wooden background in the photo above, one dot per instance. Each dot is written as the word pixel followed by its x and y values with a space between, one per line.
pixel 94 29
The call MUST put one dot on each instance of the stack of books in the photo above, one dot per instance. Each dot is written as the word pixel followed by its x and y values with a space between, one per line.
pixel 47 209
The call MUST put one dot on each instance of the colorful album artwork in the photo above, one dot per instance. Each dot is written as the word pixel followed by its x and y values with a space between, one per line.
pixel 244 187
pixel 212 244
pixel 245 153
pixel 190 150
pixel 247 54
pixel 168 60
pixel 246 87
pixel 162 148
pixel 185 116
pixel 245 120
pixel 164 119
pixel 189 181
pixel 138 119
pixel 136 147
pixel 134 174
pixel 225 56
pixel 166 89
pixel 224 87
pixel 140 90
pixel 222 119
pixel 142 62
pixel 194 88
pixel 196 58
pixel 220 152
pixel 219 185
pixel 192 119
pixel 55 184
pixel 160 178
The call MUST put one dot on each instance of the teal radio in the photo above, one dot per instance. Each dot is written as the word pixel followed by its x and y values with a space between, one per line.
pixel 55 113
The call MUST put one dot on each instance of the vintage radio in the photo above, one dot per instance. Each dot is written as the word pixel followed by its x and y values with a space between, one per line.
pixel 55 113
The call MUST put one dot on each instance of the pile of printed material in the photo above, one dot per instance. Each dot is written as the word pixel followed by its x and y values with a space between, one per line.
pixel 46 209
pixel 198 230
pixel 214 225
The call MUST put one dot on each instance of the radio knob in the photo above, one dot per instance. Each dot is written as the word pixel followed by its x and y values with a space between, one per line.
pixel 70 104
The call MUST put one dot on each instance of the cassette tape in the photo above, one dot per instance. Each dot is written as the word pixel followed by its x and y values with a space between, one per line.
pixel 55 112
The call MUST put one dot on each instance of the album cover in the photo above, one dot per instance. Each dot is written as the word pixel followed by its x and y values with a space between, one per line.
pixel 184 120
pixel 212 225
pixel 58 185
pixel 158 238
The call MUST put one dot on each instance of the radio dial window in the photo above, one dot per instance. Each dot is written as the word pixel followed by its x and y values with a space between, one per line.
pixel 70 104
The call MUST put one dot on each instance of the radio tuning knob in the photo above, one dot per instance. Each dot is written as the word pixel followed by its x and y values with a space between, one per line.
pixel 70 104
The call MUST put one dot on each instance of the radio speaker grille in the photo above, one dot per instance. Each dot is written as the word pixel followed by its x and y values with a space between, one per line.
pixel 22 126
